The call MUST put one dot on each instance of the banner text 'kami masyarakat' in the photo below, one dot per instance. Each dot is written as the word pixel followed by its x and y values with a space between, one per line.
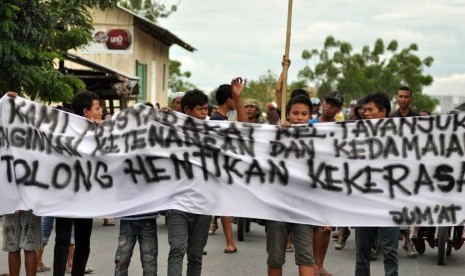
pixel 396 171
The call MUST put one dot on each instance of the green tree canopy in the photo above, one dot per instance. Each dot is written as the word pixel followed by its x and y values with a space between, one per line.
pixel 381 68
pixel 178 80
pixel 151 9
pixel 262 90
pixel 33 36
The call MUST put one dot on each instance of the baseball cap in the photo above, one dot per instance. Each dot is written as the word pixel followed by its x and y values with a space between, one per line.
pixel 335 96
pixel 251 102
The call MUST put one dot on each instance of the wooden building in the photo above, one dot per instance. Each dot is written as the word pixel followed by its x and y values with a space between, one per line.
pixel 128 60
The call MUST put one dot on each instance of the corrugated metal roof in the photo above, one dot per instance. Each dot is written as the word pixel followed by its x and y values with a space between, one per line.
pixel 85 62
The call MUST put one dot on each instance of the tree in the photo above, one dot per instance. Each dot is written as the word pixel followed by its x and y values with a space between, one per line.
pixel 178 79
pixel 337 67
pixel 33 36
pixel 263 90
pixel 151 9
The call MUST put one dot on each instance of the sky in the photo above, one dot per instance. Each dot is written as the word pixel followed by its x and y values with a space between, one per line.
pixel 247 38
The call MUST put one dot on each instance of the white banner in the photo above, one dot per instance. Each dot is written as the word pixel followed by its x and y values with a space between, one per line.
pixel 397 171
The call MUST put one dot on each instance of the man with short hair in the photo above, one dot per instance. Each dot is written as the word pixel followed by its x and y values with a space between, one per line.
pixel 404 99
pixel 228 101
pixel 85 104
pixel 228 97
pixel 188 232
pixel 377 106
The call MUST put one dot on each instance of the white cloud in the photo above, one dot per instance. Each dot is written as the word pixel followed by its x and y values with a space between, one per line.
pixel 247 38
pixel 453 85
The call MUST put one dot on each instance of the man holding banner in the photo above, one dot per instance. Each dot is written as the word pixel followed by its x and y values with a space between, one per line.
pixel 377 106
pixel 404 99
pixel 332 105
pixel 87 105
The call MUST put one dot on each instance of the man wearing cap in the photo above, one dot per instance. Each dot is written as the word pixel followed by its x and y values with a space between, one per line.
pixel 332 104
pixel 252 111
pixel 176 103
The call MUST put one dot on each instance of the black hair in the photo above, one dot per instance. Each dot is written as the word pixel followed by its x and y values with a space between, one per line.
pixel 299 99
pixel 297 92
pixel 360 104
pixel 381 100
pixel 83 100
pixel 64 108
pixel 149 104
pixel 223 93
pixel 405 88
pixel 193 98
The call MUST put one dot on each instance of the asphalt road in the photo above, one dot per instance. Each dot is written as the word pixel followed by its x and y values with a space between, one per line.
pixel 250 258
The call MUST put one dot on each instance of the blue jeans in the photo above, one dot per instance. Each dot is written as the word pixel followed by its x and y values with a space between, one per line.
pixel 187 232
pixel 388 242
pixel 131 231
pixel 47 226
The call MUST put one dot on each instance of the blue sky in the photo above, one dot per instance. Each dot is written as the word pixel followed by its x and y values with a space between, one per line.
pixel 246 38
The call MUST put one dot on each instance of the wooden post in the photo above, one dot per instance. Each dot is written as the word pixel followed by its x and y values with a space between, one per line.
pixel 285 68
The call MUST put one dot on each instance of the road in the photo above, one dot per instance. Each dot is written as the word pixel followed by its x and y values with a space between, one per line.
pixel 250 258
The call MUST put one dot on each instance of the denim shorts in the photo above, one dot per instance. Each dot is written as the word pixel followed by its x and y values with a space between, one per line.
pixel 22 230
pixel 276 240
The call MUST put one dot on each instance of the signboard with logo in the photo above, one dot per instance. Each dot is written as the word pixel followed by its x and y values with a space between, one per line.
pixel 111 41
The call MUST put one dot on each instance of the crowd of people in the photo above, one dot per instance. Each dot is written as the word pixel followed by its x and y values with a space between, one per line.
pixel 188 232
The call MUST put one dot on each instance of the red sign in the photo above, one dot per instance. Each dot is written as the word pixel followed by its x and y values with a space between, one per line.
pixel 118 39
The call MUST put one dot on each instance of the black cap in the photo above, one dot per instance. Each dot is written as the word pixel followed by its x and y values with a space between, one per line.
pixel 335 96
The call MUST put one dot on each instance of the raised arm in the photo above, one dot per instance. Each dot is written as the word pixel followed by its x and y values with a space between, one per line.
pixel 237 86
pixel 279 85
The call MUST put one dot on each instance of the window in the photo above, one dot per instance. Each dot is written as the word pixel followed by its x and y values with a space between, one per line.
pixel 141 72
pixel 164 76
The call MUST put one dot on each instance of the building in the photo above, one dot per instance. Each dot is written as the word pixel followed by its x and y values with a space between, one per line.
pixel 129 59
pixel 448 103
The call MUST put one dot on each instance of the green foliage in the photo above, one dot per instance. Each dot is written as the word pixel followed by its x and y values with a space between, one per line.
pixel 33 36
pixel 381 68
pixel 178 79
pixel 263 90
pixel 150 9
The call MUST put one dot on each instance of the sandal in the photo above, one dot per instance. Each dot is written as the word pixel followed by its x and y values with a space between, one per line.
pixel 324 273
pixel 44 268
pixel 107 222
pixel 230 251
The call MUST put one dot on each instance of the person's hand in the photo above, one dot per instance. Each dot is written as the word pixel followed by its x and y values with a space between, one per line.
pixel 286 62
pixel 165 109
pixel 325 228
pixel 11 94
pixel 237 86
pixel 285 124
